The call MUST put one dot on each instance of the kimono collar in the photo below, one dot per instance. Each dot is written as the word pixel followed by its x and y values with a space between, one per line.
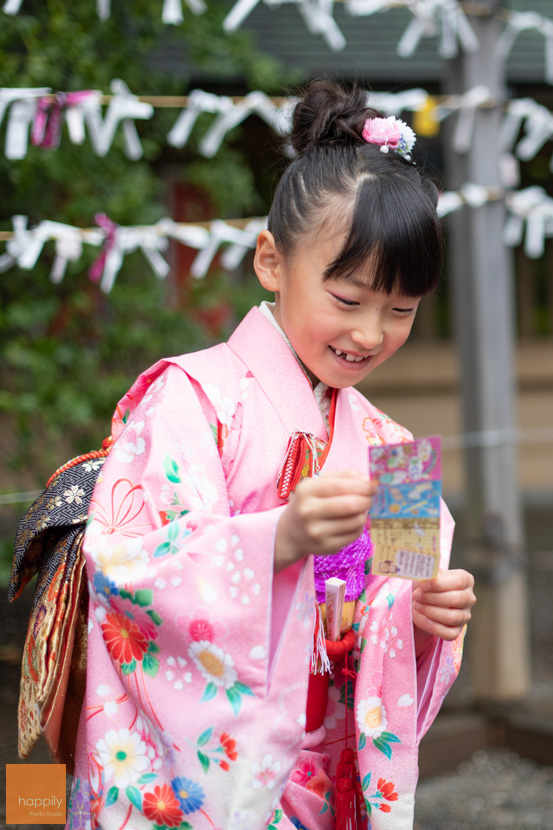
pixel 321 391
pixel 261 347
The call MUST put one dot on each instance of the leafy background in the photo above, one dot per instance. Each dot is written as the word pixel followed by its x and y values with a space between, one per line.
pixel 69 352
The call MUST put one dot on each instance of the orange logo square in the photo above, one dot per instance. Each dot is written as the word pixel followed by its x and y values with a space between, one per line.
pixel 35 794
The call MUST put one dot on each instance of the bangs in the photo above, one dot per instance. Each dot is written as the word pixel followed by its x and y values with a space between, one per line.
pixel 395 228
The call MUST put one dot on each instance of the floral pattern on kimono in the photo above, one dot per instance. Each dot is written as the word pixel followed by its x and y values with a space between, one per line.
pixel 199 655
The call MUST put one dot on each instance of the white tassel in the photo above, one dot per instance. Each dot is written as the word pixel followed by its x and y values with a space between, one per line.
pixel 320 664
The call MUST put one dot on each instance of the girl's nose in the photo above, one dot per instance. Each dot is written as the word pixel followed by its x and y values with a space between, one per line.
pixel 368 334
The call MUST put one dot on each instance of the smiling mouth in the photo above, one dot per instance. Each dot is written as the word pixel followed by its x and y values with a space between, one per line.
pixel 349 358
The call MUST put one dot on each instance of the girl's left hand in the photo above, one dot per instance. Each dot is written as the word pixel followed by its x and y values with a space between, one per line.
pixel 442 606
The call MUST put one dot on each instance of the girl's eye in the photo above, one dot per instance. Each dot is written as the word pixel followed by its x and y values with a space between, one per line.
pixel 404 310
pixel 344 301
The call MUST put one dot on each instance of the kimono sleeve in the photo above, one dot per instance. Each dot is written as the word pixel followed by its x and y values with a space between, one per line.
pixel 181 596
pixel 438 666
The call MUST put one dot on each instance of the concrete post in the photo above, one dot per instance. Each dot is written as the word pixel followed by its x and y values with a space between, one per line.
pixel 483 296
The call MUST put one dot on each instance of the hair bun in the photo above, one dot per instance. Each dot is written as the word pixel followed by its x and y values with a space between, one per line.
pixel 329 114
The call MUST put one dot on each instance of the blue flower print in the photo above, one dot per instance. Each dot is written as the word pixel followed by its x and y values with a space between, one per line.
pixel 103 586
pixel 79 806
pixel 447 670
pixel 297 823
pixel 189 794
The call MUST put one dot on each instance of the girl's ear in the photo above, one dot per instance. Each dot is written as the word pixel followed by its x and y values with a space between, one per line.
pixel 267 261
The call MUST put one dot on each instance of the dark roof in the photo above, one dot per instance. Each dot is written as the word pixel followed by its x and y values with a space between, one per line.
pixel 370 53
pixel 372 41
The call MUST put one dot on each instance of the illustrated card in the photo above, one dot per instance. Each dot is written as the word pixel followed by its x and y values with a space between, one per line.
pixel 405 516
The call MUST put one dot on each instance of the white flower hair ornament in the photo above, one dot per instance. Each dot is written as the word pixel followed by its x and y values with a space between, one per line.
pixel 390 134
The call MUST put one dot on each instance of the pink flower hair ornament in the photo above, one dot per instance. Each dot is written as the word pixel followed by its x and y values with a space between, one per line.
pixel 390 134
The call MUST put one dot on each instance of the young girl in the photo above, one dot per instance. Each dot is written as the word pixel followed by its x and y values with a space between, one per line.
pixel 211 530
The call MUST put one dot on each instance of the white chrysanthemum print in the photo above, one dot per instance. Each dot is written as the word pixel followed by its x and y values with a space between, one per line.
pixel 265 773
pixel 215 665
pixel 371 717
pixel 123 756
pixel 130 443
pixel 122 562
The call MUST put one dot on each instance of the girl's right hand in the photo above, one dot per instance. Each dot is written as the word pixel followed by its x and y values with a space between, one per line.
pixel 324 515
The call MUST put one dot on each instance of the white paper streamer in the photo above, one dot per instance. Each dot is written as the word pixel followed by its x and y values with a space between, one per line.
pixel 172 13
pixel 239 12
pixel 21 106
pixel 198 102
pixel 429 17
pixel 232 116
pixel 123 107
pixel 475 195
pixel 26 245
pixel 449 202
pixel 534 208
pixel 317 15
pixel 235 253
pixel 466 105
pixel 129 239
pixel 362 8
pixel 523 21
pixel 194 236
pixel 17 245
pixel 538 126
pixel 220 232
pixel 394 103
pixel 11 6
pixel 103 7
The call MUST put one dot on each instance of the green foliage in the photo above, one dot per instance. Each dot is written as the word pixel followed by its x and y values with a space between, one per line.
pixel 70 352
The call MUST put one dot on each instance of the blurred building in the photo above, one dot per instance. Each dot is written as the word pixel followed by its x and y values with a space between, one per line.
pixel 420 386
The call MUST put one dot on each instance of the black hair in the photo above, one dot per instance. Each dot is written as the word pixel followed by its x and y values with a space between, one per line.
pixel 393 220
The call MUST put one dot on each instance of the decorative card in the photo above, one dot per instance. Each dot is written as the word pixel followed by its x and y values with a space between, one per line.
pixel 405 516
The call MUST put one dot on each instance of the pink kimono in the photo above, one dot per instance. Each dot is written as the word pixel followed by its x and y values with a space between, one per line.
pixel 199 655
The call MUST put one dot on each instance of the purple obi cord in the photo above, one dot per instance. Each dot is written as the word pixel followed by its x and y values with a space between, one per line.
pixel 347 564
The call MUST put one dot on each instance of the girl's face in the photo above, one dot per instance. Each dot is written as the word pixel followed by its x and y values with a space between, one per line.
pixel 340 329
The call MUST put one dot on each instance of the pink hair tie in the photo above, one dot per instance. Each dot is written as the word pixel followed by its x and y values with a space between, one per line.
pixel 390 133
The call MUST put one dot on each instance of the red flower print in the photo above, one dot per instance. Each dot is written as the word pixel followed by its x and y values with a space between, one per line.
pixel 224 765
pixel 162 807
pixel 386 790
pixel 318 785
pixel 385 808
pixel 229 745
pixel 124 639
pixel 136 615
pixel 304 773
pixel 201 630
